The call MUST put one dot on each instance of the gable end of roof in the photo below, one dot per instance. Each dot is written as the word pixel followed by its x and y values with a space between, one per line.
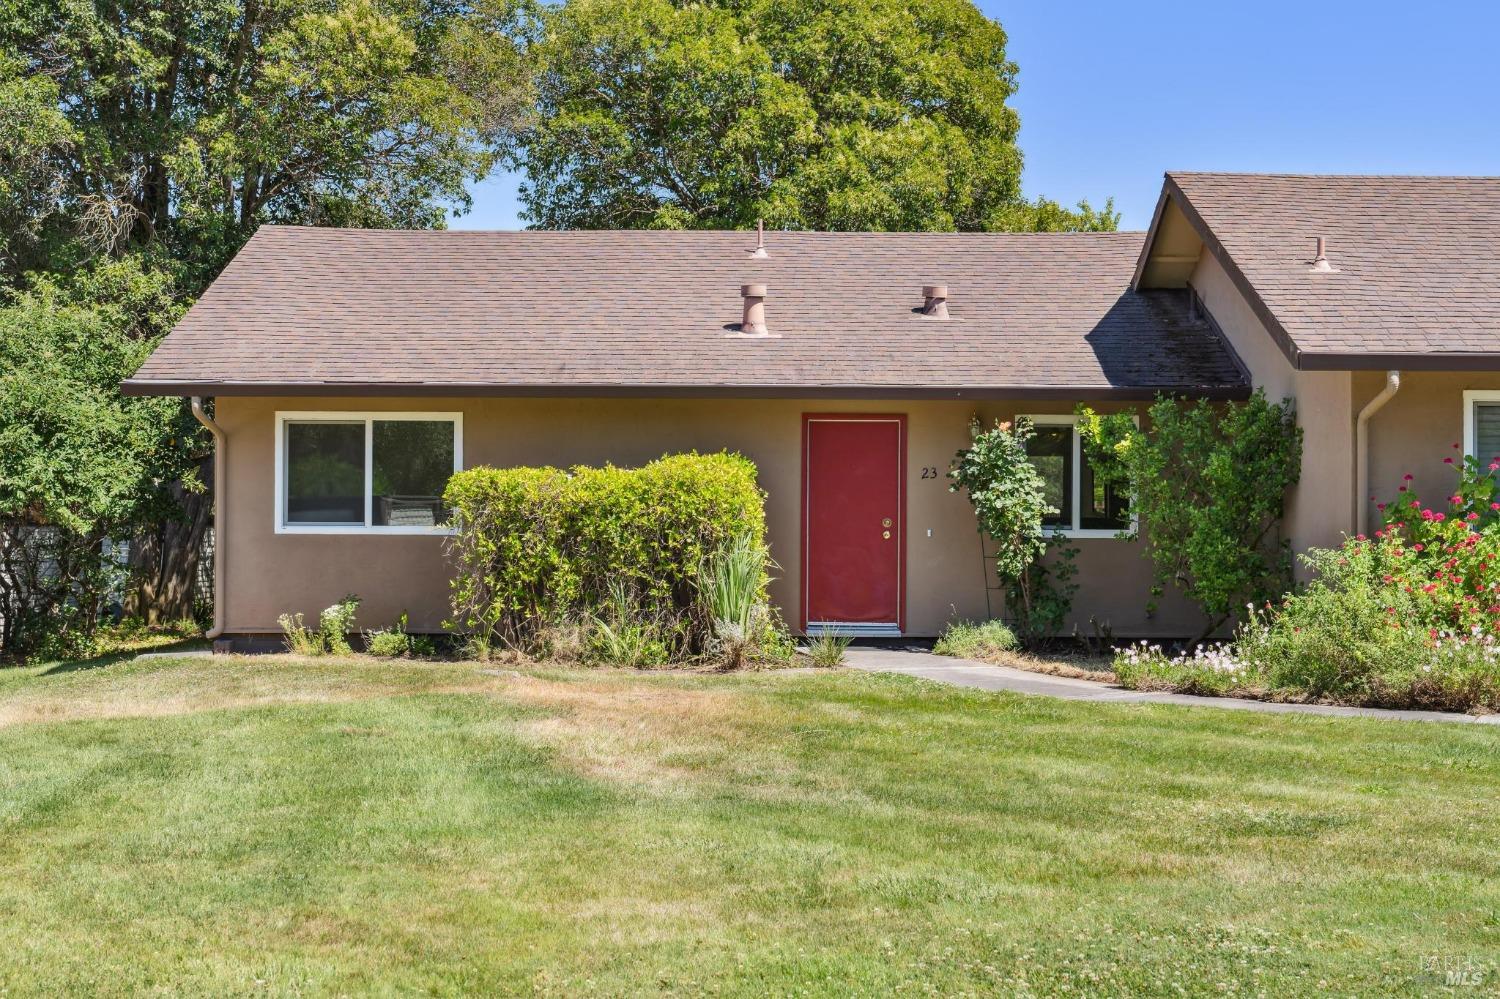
pixel 1173 194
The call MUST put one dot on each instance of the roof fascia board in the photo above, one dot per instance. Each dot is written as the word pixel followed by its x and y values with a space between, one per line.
pixel 1405 362
pixel 1052 393
pixel 1241 282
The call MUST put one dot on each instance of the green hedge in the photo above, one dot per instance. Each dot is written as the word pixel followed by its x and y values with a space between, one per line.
pixel 540 546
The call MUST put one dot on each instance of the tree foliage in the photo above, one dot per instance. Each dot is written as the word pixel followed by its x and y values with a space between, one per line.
pixel 79 464
pixel 1009 499
pixel 1209 482
pixel 164 133
pixel 863 114
pixel 190 122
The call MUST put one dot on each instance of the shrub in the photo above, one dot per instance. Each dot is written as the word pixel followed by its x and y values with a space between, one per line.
pixel 332 635
pixel 387 643
pixel 334 625
pixel 1209 482
pixel 1010 503
pixel 397 641
pixel 537 546
pixel 1445 556
pixel 300 639
pixel 1370 629
pixel 827 649
pixel 967 640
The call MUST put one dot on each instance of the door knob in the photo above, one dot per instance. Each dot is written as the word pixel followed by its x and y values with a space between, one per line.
pixel 886 522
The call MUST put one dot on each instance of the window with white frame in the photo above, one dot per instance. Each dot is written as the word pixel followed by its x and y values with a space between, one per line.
pixel 1482 424
pixel 380 473
pixel 1087 507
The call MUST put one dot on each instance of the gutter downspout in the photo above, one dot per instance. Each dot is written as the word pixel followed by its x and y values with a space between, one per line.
pixel 1362 449
pixel 220 448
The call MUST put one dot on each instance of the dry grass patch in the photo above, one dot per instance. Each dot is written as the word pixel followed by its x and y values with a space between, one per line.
pixel 1076 665
pixel 654 732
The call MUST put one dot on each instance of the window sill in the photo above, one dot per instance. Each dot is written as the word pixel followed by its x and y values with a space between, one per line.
pixel 1093 533
pixel 436 532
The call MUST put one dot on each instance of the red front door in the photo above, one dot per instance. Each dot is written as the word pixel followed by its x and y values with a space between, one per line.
pixel 854 521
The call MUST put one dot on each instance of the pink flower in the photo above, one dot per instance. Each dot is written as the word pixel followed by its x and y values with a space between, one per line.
pixel 1455 447
pixel 1380 506
pixel 1447 461
pixel 1439 517
pixel 1406 477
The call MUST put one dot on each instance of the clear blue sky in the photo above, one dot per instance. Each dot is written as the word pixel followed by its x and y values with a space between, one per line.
pixel 1114 93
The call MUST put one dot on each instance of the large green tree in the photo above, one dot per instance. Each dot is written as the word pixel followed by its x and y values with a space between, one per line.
pixel 187 123
pixel 165 131
pixel 851 114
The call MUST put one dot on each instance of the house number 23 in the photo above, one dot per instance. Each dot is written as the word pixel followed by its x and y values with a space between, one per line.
pixel 928 472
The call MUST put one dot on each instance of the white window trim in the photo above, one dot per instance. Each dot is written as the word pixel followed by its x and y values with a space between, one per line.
pixel 278 507
pixel 1471 397
pixel 1076 514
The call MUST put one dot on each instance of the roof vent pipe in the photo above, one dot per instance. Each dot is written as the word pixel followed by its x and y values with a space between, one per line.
pixel 935 301
pixel 1320 259
pixel 754 321
pixel 760 253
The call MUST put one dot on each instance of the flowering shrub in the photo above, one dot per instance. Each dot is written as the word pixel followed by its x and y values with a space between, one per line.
pixel 1445 555
pixel 1209 670
pixel 1010 504
pixel 1408 618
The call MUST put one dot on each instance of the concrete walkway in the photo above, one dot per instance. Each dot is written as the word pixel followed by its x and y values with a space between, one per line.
pixel 968 673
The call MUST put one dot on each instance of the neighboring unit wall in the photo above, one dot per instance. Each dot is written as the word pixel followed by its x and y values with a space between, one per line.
pixel 270 574
pixel 1416 430
pixel 1321 508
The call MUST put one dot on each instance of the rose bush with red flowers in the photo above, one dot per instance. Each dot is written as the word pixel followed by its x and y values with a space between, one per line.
pixel 1448 554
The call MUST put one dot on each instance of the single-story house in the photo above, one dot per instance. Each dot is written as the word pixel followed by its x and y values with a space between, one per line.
pixel 353 370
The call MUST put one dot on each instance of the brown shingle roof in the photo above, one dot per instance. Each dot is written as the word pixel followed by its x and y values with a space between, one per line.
pixel 1417 258
pixel 381 312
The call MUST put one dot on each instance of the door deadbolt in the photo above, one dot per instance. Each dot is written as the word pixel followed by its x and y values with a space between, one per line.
pixel 886 522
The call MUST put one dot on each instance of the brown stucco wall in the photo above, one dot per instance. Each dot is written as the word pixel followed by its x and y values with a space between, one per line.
pixel 1417 429
pixel 270 574
pixel 1412 433
pixel 1321 508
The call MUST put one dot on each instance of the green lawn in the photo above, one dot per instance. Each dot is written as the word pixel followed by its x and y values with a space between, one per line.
pixel 321 827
